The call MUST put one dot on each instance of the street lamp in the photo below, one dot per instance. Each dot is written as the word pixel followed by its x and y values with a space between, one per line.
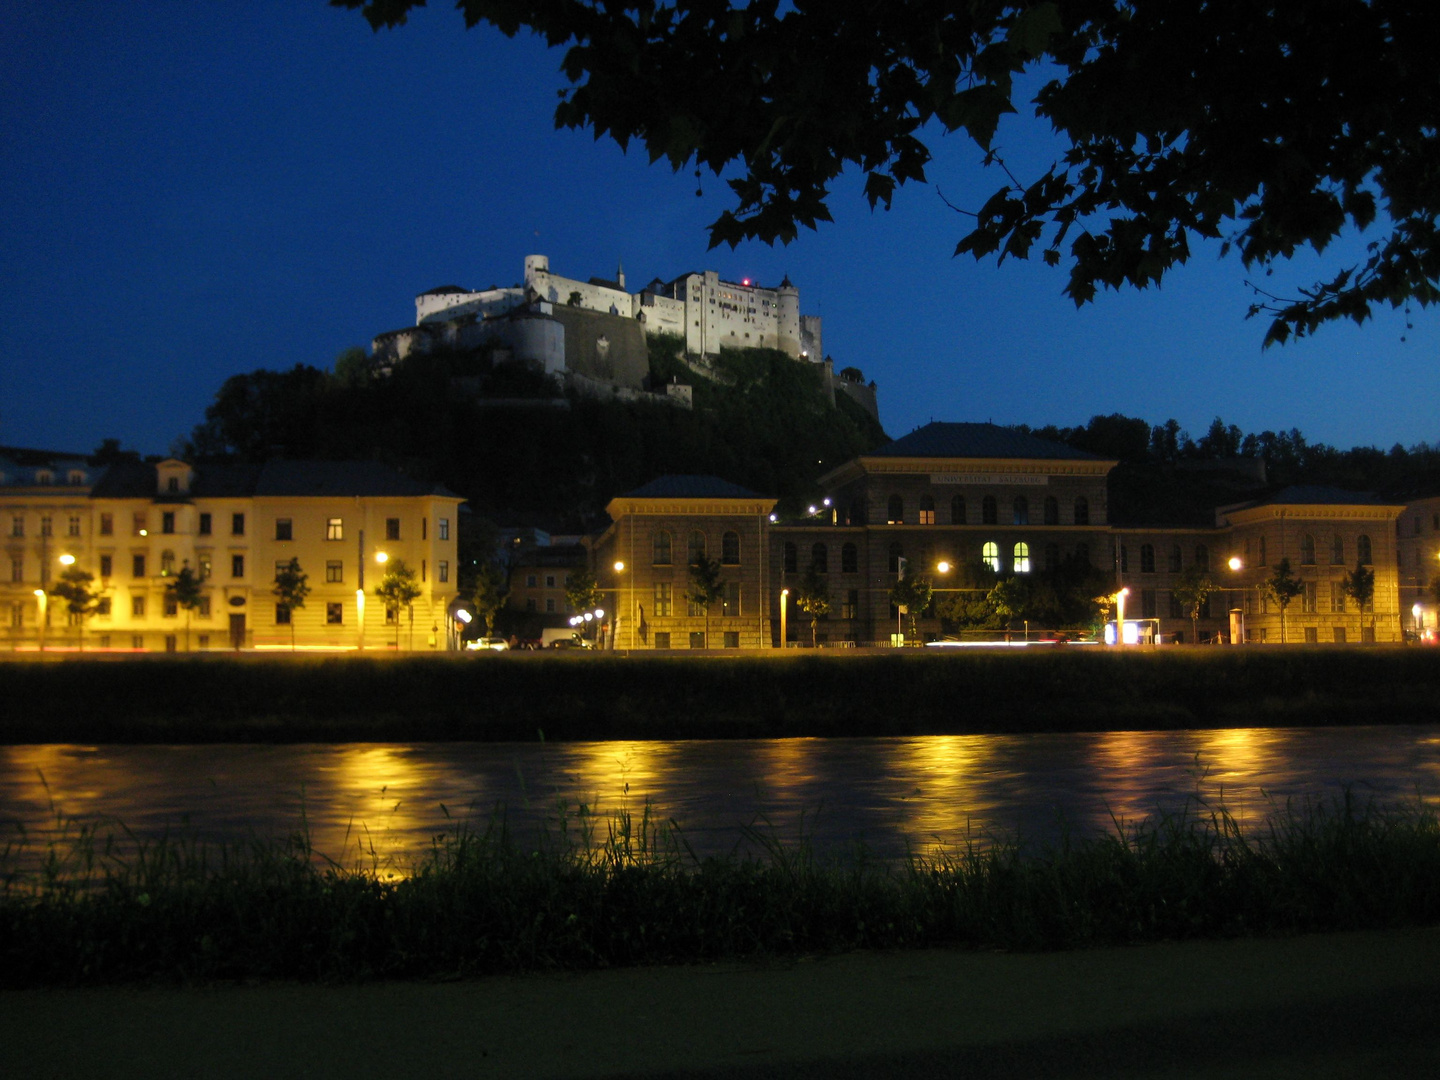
pixel 67 560
pixel 619 568
pixel 1120 615
pixel 784 596
pixel 1237 614
pixel 42 599
pixel 381 557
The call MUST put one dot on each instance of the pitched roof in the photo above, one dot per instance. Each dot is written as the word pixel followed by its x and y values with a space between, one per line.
pixel 937 439
pixel 444 290
pixel 134 480
pixel 691 487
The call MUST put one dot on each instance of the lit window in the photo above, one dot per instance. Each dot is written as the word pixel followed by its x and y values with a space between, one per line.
pixel 895 511
pixel 335 529
pixel 990 555
pixel 1022 558
pixel 927 510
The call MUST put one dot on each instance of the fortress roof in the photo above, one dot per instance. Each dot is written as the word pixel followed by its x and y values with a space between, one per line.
pixel 444 290
pixel 937 439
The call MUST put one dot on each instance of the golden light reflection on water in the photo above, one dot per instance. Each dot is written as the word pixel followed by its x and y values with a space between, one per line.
pixel 942 798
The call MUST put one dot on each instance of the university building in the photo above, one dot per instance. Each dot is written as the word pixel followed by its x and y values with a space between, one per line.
pixel 135 526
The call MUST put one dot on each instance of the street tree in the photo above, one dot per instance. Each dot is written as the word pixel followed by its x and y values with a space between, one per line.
pixel 399 589
pixel 705 587
pixel 290 590
pixel 1191 591
pixel 812 596
pixel 1011 599
pixel 1282 587
pixel 184 588
pixel 911 595
pixel 1295 122
pixel 492 587
pixel 582 592
pixel 1359 585
pixel 82 599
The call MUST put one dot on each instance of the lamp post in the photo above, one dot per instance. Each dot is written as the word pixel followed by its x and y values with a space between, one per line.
pixel 784 596
pixel 1237 614
pixel 42 599
pixel 1120 615
pixel 622 614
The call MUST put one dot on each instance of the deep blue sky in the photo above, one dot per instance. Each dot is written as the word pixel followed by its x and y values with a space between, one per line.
pixel 194 190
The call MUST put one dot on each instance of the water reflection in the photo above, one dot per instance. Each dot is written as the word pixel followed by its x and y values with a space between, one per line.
pixel 382 805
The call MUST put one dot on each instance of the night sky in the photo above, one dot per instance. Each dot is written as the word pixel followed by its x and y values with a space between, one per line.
pixel 195 190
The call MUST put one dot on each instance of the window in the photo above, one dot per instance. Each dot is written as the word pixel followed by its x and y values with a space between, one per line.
pixel 137 641
pixel 77 477
pixel 661 547
pixel 927 510
pixel 957 510
pixel 849 559
pixel 662 599
pixel 895 510
pixel 237 524
pixel 1310 600
pixel 283 529
pixel 989 514
pixel 820 558
pixel 17 526
pixel 167 522
pixel 442 530
pixel 334 614
pixel 1177 610
pixel 851 604
pixel 137 566
pixel 334 571
pixel 281 565
pixel 1312 635
pixel 732 639
pixel 550 581
pixel 1202 557
pixel 44 477
pixel 696 550
pixel 1052 510
pixel 137 525
pixel 392 528
pixel 1148 606
pixel 237 566
pixel 45 526
pixel 1339 635
pixel 730 549
pixel 1362 548
pixel 662 639
pixel 103 607
pixel 1022 558
pixel 1337 550
pixel 1021 510
pixel 106 565
pixel 1147 558
pixel 1337 597
pixel 550 605
pixel 896 556
pixel 107 524
pixel 424 528
pixel 172 484
pixel 730 600
pixel 204 567
pixel 442 571
pixel 1052 557
pixel 990 555
pixel 167 563
pixel 334 528
pixel 697 639
pixel 1175 559
pixel 1307 550
pixel 17 616
pixel 392 614
pixel 17 568
pixel 203 609
pixel 1082 511
pixel 137 607
pixel 74 529
pixel 204 526
pixel 172 606
pixel 203 641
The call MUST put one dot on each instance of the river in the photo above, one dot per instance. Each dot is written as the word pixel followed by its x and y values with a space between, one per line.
pixel 382 804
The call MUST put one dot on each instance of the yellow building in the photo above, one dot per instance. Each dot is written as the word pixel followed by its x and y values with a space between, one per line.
pixel 135 526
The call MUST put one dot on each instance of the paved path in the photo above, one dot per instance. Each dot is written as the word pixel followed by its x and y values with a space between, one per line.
pixel 1341 1005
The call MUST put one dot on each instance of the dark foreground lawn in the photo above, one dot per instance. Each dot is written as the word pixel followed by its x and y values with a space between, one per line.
pixel 225 698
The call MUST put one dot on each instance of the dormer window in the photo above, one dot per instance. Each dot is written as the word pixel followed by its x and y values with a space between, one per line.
pixel 172 484
pixel 76 477
pixel 44 477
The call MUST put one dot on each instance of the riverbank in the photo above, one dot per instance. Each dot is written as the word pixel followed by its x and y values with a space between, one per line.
pixel 1322 1006
pixel 246 698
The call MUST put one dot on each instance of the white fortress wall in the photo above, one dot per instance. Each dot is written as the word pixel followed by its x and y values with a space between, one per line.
pixel 430 307
pixel 560 290
pixel 811 345
pixel 660 314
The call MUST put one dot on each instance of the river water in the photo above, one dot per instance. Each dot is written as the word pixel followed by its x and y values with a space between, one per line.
pixel 382 804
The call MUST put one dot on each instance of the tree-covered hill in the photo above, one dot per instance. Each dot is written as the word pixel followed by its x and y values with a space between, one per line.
pixel 520 450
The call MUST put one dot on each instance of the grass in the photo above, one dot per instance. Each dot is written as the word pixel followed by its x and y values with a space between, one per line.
pixel 627 891
pixel 223 698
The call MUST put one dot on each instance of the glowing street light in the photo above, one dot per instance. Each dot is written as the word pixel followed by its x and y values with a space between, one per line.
pixel 1235 563
pixel 943 566
pixel 67 560
pixel 381 558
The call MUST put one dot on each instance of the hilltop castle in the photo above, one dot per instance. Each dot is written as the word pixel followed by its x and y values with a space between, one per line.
pixel 591 334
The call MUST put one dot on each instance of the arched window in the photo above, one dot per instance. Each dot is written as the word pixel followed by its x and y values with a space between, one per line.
pixel 1362 549
pixel 849 559
pixel 897 552
pixel 1082 511
pixel 927 510
pixel 1307 550
pixel 792 558
pixel 820 558
pixel 696 550
pixel 1052 556
pixel 1202 558
pixel 988 514
pixel 1175 558
pixel 895 511
pixel 662 549
pixel 1337 550
pixel 990 555
pixel 1052 510
pixel 1147 558
pixel 1022 558
pixel 730 549
pixel 957 510
pixel 1022 510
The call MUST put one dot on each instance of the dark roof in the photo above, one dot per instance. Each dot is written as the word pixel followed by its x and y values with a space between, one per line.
pixel 443 290
pixel 134 480
pixel 691 487
pixel 1319 495
pixel 938 439
pixel 606 283
pixel 22 455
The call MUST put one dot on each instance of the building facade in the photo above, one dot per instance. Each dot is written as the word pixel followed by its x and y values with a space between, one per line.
pixel 136 526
